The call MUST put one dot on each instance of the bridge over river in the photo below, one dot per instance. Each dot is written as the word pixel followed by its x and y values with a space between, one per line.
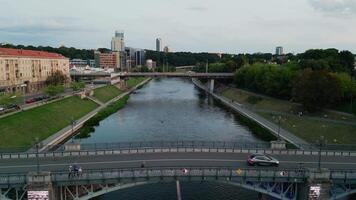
pixel 113 169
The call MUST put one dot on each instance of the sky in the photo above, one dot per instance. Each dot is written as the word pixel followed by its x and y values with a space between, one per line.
pixel 225 26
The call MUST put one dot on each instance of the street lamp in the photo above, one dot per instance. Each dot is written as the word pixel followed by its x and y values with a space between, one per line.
pixel 37 151
pixel 73 123
pixel 320 142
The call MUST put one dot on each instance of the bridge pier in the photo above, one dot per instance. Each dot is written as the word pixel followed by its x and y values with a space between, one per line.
pixel 211 85
pixel 317 187
pixel 41 184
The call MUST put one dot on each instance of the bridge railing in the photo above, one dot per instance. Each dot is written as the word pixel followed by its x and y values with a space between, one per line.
pixel 167 146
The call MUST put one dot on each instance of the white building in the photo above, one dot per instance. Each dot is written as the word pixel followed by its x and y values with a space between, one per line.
pixel 158 44
pixel 118 42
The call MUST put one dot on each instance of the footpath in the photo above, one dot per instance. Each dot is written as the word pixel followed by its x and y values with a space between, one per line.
pixel 272 127
pixel 68 131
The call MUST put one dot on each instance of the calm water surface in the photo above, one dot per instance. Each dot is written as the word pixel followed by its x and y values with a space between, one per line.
pixel 173 109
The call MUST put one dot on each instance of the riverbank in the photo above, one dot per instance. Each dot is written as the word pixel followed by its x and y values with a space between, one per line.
pixel 21 130
pixel 260 126
pixel 336 127
pixel 68 131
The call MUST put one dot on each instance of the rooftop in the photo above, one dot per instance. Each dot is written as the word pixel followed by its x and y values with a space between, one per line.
pixel 29 53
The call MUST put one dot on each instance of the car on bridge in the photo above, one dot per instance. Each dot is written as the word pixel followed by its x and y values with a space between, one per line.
pixel 262 160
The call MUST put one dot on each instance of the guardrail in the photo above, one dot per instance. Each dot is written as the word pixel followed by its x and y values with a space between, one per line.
pixel 167 147
pixel 204 173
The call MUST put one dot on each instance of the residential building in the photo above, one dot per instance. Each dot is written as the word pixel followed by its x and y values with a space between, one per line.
pixel 118 41
pixel 150 64
pixel 107 60
pixel 159 44
pixel 166 49
pixel 26 70
pixel 279 51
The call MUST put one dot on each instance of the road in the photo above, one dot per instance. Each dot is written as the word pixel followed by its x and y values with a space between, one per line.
pixel 233 160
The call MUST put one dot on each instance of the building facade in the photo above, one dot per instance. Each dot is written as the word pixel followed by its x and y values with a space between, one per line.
pixel 81 63
pixel 158 44
pixel 107 60
pixel 26 71
pixel 279 51
pixel 166 49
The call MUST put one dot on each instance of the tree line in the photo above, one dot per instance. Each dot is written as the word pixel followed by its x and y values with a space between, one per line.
pixel 69 52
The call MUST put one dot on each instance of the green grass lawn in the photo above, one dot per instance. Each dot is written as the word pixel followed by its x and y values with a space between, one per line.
pixel 311 130
pixel 309 127
pixel 21 129
pixel 106 93
pixel 132 82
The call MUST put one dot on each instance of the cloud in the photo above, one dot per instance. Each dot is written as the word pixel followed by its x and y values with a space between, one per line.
pixel 197 8
pixel 345 7
pixel 42 26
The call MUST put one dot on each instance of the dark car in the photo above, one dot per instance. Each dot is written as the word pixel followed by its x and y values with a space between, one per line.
pixel 262 159
pixel 13 106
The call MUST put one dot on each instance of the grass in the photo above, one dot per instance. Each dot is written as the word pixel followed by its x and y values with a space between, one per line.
pixel 132 82
pixel 311 130
pixel 21 129
pixel 106 93
pixel 309 127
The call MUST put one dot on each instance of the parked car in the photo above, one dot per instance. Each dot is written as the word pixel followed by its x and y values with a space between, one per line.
pixel 262 159
pixel 13 106
pixel 2 108
pixel 28 101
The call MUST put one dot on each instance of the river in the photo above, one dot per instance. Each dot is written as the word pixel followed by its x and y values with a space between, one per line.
pixel 173 109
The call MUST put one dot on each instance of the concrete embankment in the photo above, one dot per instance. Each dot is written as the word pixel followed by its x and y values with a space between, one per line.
pixel 68 131
pixel 271 127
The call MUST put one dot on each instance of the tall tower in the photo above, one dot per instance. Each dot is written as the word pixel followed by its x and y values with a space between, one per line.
pixel 118 42
pixel 158 44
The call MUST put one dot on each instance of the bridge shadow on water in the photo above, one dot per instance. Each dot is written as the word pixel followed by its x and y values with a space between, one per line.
pixel 189 191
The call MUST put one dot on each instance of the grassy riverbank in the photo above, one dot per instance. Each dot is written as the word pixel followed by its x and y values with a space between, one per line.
pixel 89 126
pixel 21 129
pixel 336 127
pixel 106 93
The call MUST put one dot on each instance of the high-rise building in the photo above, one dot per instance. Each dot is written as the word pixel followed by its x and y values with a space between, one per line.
pixel 140 57
pixel 158 44
pixel 279 51
pixel 118 41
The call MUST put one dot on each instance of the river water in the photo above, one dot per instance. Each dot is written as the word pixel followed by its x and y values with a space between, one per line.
pixel 173 109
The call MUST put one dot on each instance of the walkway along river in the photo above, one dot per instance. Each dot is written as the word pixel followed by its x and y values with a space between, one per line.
pixel 172 109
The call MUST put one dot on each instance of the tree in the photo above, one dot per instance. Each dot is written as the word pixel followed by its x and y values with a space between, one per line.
pixel 53 90
pixel 57 78
pixel 77 85
pixel 316 89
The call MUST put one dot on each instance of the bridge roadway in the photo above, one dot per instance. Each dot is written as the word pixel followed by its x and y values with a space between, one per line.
pixel 155 74
pixel 186 159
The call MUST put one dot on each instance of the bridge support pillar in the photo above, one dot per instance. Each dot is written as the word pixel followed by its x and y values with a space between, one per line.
pixel 316 187
pixel 211 85
pixel 40 185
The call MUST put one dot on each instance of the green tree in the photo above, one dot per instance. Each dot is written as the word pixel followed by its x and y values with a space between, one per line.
pixel 316 89
pixel 77 85
pixel 57 78
pixel 53 90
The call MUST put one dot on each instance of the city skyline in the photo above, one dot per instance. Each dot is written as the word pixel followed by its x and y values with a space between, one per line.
pixel 196 26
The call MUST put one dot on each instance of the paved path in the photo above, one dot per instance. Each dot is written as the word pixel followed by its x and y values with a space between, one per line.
pixel 197 159
pixel 272 127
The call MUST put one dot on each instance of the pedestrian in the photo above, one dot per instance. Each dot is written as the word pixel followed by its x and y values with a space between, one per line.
pixel 70 171
pixel 143 165
pixel 80 172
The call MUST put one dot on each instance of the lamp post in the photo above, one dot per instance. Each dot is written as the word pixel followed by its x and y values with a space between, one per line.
pixel 320 142
pixel 73 123
pixel 37 151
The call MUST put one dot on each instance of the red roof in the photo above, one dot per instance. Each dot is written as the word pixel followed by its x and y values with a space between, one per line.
pixel 29 53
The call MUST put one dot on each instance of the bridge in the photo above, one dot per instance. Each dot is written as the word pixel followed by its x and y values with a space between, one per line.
pixel 112 167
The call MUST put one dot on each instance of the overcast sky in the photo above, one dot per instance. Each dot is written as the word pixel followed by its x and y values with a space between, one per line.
pixel 232 26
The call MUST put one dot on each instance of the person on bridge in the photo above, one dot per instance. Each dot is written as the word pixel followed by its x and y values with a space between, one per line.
pixel 70 171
